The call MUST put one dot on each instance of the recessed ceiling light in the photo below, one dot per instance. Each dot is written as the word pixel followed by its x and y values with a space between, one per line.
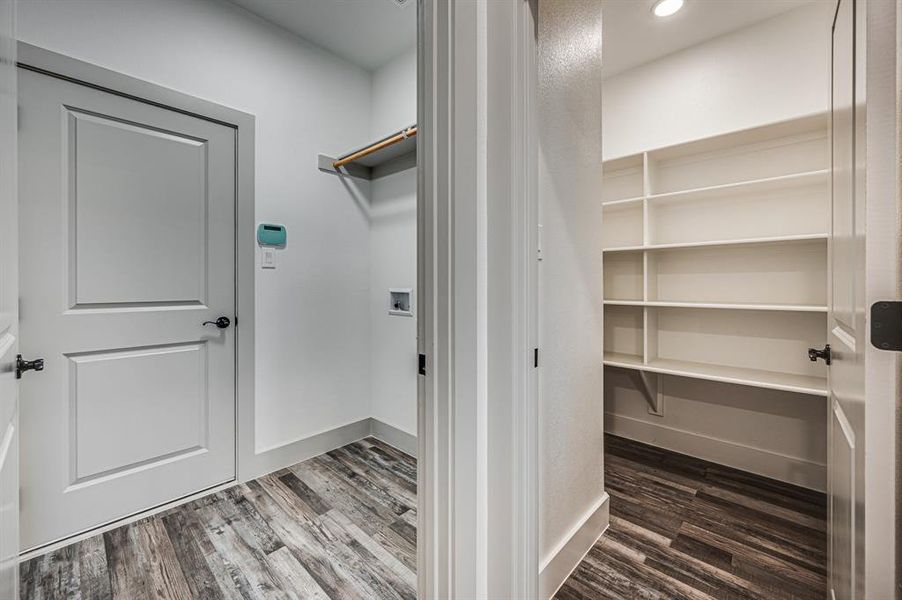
pixel 665 8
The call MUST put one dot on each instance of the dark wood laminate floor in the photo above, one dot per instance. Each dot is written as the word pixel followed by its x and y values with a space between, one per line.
pixel 342 525
pixel 683 528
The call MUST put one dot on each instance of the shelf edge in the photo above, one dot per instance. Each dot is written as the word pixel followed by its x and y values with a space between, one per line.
pixel 808 237
pixel 721 379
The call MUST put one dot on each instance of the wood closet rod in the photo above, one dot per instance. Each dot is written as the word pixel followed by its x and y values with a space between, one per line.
pixel 389 141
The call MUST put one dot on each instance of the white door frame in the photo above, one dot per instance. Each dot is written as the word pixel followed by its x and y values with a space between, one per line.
pixel 9 317
pixel 878 133
pixel 878 58
pixel 477 215
pixel 66 68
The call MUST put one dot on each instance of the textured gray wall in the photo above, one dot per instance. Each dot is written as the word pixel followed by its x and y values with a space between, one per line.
pixel 570 274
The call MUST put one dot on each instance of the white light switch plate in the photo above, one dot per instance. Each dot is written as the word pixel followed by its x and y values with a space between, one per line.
pixel 269 258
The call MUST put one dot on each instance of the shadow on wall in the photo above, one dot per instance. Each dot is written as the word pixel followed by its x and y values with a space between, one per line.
pixel 778 434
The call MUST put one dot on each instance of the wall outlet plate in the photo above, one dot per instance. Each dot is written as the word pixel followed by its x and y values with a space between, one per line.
pixel 400 302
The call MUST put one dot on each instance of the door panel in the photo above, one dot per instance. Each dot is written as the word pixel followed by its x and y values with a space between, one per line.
pixel 843 209
pixel 128 245
pixel 134 408
pixel 135 187
pixel 842 465
pixel 846 322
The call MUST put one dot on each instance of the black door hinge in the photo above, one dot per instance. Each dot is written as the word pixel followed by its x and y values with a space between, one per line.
pixel 422 367
pixel 825 355
pixel 535 358
pixel 28 365
pixel 886 325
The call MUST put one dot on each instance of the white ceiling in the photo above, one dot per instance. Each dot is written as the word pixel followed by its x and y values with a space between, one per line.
pixel 633 35
pixel 368 33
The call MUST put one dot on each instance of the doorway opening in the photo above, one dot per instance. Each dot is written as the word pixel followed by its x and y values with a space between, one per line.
pixel 733 194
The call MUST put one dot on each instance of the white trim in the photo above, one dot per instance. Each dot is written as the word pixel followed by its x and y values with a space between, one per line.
pixel 278 457
pixel 323 432
pixel 782 467
pixel 477 459
pixel 879 71
pixel 511 302
pixel 393 436
pixel 560 562
pixel 430 554
pixel 526 244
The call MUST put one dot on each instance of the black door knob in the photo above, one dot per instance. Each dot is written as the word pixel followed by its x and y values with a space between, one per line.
pixel 28 365
pixel 826 354
pixel 221 322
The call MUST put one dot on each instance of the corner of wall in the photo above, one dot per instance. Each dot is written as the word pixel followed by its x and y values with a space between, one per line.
pixel 563 559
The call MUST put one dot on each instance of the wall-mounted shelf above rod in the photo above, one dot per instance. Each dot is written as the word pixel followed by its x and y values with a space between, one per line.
pixel 391 154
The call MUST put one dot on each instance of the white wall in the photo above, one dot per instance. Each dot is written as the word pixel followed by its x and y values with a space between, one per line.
pixel 573 504
pixel 772 71
pixel 393 256
pixel 775 70
pixel 394 103
pixel 313 311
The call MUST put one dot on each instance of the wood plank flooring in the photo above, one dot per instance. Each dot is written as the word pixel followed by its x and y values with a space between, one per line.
pixel 683 528
pixel 342 525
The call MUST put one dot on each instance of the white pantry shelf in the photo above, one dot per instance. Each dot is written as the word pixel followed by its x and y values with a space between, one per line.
pixel 715 254
pixel 721 305
pixel 619 359
pixel 623 201
pixel 761 185
pixel 788 382
pixel 780 239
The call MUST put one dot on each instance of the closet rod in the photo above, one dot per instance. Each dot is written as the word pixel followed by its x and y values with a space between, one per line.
pixel 389 141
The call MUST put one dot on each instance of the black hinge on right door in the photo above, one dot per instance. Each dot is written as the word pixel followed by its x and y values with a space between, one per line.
pixel 886 325
pixel 422 366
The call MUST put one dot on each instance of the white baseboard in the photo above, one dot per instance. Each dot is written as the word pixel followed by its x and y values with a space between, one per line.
pixel 286 455
pixel 391 435
pixel 280 457
pixel 557 566
pixel 790 469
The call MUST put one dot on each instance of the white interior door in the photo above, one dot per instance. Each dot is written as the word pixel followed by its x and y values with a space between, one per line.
pixel 846 322
pixel 9 296
pixel 127 229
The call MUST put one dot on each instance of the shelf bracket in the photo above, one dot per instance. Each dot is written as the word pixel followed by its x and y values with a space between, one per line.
pixel 650 386
pixel 324 163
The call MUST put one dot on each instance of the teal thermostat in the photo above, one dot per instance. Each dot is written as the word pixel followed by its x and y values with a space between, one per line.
pixel 269 234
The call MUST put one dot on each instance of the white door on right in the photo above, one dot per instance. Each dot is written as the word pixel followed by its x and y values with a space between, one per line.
pixel 846 322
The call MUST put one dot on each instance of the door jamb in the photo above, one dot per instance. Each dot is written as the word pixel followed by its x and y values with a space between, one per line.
pixel 878 59
pixel 477 245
